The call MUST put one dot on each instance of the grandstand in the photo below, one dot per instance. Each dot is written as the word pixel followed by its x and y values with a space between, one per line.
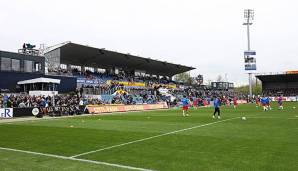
pixel 71 55
pixel 284 83
pixel 79 66
pixel 69 76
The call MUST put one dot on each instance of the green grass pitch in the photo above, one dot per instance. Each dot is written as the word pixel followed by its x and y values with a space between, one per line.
pixel 156 140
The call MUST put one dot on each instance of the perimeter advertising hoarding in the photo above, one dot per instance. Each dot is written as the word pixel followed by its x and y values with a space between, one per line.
pixel 124 108
pixel 286 98
pixel 291 72
pixel 250 60
pixel 6 113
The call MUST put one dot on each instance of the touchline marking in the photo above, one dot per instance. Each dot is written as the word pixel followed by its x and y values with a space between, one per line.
pixel 264 117
pixel 76 159
pixel 156 136
pixel 268 117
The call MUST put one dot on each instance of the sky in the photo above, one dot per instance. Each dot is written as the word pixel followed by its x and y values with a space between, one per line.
pixel 207 35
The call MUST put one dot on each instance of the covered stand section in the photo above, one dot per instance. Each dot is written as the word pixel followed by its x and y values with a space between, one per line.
pixel 40 86
pixel 86 56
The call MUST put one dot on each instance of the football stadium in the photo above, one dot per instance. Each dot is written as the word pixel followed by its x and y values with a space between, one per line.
pixel 71 106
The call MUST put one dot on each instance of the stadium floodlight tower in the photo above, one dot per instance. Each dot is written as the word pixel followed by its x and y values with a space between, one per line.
pixel 249 17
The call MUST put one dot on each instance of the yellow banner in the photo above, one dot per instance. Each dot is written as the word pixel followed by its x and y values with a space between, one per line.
pixel 124 108
pixel 135 84
pixel 166 85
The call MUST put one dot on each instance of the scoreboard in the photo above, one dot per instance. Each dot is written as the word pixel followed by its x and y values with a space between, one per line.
pixel 250 61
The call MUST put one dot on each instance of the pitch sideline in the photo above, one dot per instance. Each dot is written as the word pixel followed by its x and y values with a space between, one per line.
pixel 76 159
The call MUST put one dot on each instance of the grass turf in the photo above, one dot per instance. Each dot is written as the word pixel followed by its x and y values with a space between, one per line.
pixel 265 141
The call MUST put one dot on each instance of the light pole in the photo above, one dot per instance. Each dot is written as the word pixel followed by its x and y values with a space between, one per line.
pixel 248 17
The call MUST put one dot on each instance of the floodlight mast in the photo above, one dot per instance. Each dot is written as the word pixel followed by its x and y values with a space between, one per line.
pixel 248 17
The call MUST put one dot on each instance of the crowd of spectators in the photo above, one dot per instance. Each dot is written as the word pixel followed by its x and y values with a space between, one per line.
pixel 120 76
pixel 64 104
pixel 19 100
pixel 277 92
pixel 59 71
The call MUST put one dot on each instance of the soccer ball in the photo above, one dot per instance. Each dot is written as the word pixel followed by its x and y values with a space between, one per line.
pixel 243 118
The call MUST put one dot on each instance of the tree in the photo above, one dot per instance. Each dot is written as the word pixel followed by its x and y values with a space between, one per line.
pixel 184 78
pixel 219 78
pixel 256 88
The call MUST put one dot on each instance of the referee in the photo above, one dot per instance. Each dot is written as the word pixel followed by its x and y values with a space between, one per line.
pixel 216 105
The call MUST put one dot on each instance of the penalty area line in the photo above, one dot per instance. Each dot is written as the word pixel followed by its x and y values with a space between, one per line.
pixel 76 159
pixel 152 137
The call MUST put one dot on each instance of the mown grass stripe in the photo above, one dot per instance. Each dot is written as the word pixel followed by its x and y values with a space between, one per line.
pixel 152 137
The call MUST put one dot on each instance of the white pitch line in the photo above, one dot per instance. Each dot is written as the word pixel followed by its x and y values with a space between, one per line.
pixel 156 136
pixel 268 117
pixel 76 159
pixel 264 117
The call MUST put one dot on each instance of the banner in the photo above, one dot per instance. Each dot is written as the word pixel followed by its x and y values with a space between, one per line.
pixel 169 86
pixel 163 91
pixel 286 98
pixel 119 92
pixel 133 84
pixel 241 101
pixel 128 84
pixel 125 108
pixel 6 113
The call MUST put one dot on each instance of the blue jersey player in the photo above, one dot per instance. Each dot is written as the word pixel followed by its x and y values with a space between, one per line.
pixel 264 102
pixel 216 104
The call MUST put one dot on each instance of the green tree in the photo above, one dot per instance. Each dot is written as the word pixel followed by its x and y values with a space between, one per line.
pixel 256 88
pixel 184 78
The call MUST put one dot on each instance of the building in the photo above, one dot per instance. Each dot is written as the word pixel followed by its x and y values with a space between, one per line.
pixel 222 85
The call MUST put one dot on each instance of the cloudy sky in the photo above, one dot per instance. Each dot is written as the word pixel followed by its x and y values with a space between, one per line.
pixel 208 35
